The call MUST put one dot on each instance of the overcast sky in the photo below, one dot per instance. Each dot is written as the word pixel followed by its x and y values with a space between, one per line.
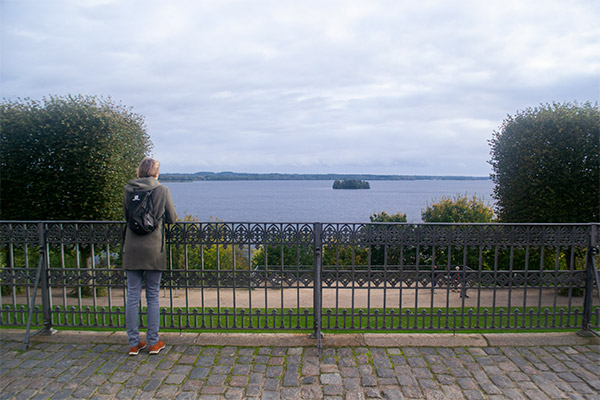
pixel 389 87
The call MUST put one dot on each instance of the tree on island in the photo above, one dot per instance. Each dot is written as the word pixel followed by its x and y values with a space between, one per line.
pixel 68 157
pixel 350 184
pixel 546 164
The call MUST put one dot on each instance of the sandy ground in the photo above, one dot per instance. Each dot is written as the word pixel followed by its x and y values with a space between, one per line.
pixel 332 298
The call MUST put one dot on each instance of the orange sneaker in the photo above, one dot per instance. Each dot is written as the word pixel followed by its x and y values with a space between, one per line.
pixel 134 351
pixel 154 349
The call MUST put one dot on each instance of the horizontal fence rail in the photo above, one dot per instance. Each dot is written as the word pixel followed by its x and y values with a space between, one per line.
pixel 310 276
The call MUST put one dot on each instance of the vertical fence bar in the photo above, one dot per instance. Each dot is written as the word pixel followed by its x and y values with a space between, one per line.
pixel 590 276
pixel 317 287
pixel 46 304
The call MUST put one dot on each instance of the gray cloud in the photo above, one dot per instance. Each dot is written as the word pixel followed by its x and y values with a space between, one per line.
pixel 339 86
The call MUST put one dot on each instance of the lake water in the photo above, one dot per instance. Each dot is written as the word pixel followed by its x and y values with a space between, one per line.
pixel 314 201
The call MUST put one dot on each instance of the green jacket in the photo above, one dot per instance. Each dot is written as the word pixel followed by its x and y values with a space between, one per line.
pixel 148 251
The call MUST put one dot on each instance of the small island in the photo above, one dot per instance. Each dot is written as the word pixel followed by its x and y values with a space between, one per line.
pixel 351 184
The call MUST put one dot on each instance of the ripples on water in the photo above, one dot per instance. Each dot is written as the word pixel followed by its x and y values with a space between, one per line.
pixel 314 201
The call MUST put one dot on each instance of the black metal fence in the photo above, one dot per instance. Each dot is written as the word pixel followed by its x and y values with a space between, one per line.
pixel 310 276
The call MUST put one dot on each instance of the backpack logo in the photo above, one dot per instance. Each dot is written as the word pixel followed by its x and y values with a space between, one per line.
pixel 140 212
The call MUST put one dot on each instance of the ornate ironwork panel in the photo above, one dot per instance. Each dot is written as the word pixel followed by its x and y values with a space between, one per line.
pixel 360 276
pixel 19 233
pixel 84 233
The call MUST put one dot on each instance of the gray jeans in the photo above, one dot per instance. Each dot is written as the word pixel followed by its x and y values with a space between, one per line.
pixel 135 279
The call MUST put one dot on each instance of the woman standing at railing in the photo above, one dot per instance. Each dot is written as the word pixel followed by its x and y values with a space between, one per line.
pixel 148 206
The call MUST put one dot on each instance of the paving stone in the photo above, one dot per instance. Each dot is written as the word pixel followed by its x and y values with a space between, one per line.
pixel 186 396
pixel 166 391
pixel 372 392
pixel 270 395
pixel 294 351
pixel 428 383
pixel 290 393
pixel 216 380
pixel 352 384
pixel 260 368
pixel 382 362
pixel 273 372
pixel 329 369
pixel 264 351
pixel 253 390
pixel 210 351
pixel 473 395
pixel 490 388
pixel 406 380
pixel 467 383
pixel 365 370
pixel 226 360
pixel 385 372
pixel 276 361
pixel 126 393
pixel 311 392
pixel 238 381
pixel 152 385
pixel 192 385
pixel 271 384
pixel 310 369
pixel 213 389
pixel 199 373
pixel 348 372
pixel 62 394
pixel 241 369
pixel 261 359
pixel 362 359
pixel 293 359
pixel 308 380
pixel 234 394
pixel 513 394
pixel 256 378
pixel 291 378
pixel 205 361
pixel 84 392
pixel 392 394
pixel 331 379
pixel 222 369
pixel 244 360
pixel 348 361
pixel 333 390
pixel 174 379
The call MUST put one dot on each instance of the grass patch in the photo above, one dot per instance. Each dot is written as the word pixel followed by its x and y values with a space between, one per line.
pixel 485 319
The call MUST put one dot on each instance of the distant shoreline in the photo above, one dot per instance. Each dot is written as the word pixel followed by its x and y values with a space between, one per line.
pixel 240 176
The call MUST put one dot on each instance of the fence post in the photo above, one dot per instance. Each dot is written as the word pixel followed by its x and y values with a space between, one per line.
pixel 41 275
pixel 591 274
pixel 317 288
pixel 46 306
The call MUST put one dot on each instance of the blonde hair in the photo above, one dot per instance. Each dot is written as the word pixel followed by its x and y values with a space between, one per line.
pixel 148 167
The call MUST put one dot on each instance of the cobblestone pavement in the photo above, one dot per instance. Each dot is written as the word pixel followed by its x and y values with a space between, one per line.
pixel 85 370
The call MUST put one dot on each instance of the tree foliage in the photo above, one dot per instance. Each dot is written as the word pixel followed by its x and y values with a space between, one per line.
pixel 385 217
pixel 458 209
pixel 546 164
pixel 67 157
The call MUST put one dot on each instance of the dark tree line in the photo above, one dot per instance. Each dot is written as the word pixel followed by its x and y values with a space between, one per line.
pixel 67 157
